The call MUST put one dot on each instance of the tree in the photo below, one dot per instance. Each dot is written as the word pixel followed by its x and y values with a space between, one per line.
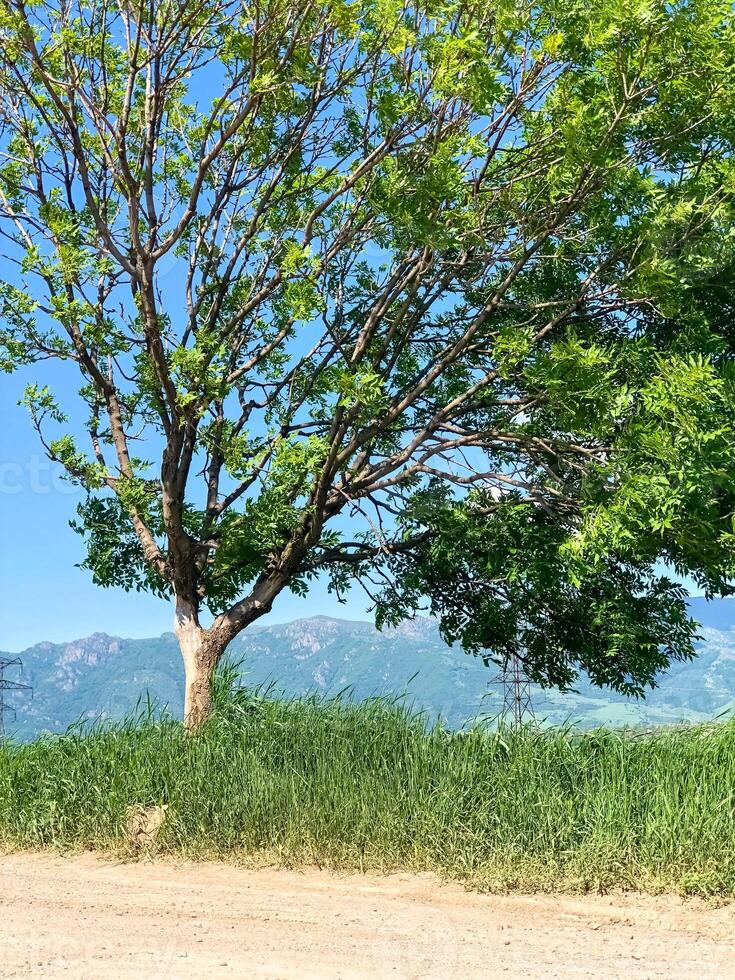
pixel 381 290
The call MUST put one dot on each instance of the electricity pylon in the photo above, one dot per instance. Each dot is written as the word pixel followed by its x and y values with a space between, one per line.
pixel 517 705
pixel 7 685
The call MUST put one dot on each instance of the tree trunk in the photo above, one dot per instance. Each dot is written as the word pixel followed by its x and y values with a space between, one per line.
pixel 198 694
pixel 202 650
pixel 200 653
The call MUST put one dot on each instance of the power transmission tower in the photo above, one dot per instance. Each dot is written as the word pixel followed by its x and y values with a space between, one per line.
pixel 517 705
pixel 7 685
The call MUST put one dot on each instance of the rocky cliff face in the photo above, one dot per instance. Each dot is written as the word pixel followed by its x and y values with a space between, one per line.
pixel 103 677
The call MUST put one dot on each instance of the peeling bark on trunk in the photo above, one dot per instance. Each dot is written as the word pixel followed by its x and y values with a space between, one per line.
pixel 200 653
pixel 202 649
pixel 198 696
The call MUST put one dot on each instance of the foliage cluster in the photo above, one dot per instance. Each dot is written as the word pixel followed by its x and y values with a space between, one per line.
pixel 343 284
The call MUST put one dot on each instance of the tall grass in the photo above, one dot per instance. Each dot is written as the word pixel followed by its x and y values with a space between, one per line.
pixel 369 787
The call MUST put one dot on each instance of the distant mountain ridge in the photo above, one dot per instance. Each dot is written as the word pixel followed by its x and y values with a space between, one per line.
pixel 102 676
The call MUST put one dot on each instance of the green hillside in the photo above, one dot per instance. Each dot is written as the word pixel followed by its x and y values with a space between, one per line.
pixel 103 676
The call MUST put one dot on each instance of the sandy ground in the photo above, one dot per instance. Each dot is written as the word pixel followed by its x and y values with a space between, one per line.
pixel 88 918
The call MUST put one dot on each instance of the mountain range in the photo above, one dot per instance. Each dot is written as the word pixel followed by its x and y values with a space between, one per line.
pixel 104 677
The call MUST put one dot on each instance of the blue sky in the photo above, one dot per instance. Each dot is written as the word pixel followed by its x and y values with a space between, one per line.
pixel 43 596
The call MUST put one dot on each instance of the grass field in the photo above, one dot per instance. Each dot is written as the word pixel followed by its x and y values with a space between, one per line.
pixel 368 787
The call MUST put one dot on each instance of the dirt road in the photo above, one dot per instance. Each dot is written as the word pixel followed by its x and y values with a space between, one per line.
pixel 82 917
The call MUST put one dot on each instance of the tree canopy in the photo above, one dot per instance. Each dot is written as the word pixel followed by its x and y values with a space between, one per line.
pixel 426 296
